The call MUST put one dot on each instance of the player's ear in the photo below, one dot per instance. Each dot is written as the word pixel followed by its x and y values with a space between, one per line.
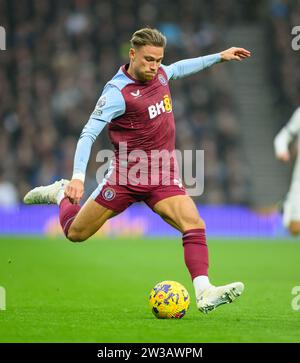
pixel 132 54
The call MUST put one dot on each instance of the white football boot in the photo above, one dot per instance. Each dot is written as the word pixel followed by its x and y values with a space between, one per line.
pixel 215 296
pixel 46 194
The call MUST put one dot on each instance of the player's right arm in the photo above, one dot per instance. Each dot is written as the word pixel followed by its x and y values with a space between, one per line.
pixel 286 135
pixel 110 105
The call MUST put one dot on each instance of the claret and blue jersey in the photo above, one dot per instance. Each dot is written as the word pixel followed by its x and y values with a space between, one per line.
pixel 137 113
pixel 147 123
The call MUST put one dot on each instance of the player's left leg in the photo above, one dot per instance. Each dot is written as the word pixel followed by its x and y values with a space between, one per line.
pixel 180 211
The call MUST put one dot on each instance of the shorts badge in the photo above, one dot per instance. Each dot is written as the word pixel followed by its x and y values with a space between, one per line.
pixel 109 194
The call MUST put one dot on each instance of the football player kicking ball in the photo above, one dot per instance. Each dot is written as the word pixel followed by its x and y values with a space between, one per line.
pixel 136 105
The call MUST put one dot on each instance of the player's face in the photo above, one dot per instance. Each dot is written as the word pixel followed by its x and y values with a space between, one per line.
pixel 145 61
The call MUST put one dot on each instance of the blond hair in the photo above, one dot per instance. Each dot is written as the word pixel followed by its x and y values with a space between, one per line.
pixel 148 36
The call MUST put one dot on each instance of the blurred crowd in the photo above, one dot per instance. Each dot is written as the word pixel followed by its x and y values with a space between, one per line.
pixel 59 56
pixel 284 16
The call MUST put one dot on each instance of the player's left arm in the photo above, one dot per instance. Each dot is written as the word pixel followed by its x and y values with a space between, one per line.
pixel 190 66
pixel 281 145
pixel 286 135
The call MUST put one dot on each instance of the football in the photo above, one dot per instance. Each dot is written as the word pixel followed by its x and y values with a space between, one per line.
pixel 169 300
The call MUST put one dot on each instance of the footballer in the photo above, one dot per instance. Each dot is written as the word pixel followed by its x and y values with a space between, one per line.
pixel 136 106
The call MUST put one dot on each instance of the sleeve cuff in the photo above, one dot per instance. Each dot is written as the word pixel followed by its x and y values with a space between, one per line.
pixel 80 176
pixel 215 58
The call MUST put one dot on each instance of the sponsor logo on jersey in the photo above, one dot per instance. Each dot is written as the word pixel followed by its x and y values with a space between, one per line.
pixel 109 193
pixel 165 105
pixel 162 80
pixel 136 94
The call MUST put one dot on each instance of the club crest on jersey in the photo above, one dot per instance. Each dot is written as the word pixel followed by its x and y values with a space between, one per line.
pixel 165 105
pixel 136 94
pixel 109 193
pixel 162 80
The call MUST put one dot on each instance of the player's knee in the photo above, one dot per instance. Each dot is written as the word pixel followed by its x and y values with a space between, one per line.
pixel 294 228
pixel 75 235
pixel 193 222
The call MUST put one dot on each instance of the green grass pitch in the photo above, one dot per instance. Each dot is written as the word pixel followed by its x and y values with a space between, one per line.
pixel 97 291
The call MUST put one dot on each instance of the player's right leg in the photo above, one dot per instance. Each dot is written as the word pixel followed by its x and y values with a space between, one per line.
pixel 77 223
pixel 87 221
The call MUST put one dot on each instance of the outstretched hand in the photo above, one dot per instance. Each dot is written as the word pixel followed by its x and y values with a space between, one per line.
pixel 74 190
pixel 283 156
pixel 235 53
